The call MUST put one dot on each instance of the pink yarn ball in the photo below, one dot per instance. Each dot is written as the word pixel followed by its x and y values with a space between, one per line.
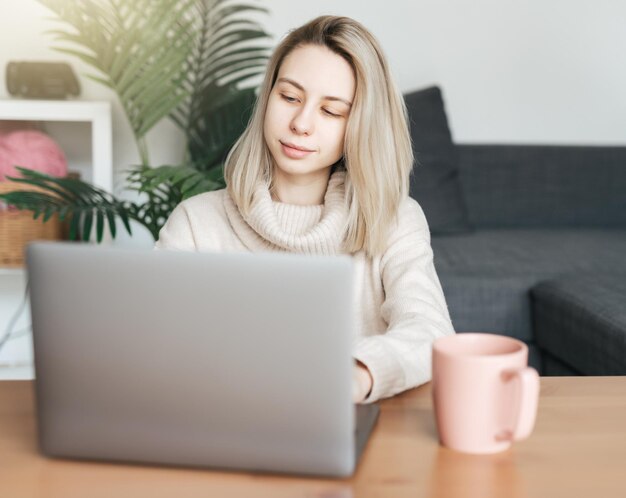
pixel 33 150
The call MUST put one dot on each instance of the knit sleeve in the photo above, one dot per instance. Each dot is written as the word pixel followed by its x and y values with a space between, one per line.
pixel 414 309
pixel 177 233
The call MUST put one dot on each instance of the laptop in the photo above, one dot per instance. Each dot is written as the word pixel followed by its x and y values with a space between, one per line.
pixel 232 361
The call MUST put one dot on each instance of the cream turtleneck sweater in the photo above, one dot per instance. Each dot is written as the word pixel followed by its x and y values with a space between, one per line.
pixel 400 307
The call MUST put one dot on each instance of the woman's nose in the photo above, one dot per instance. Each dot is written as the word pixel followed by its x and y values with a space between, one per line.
pixel 302 122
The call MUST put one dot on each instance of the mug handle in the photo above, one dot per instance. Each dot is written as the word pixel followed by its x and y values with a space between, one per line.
pixel 527 379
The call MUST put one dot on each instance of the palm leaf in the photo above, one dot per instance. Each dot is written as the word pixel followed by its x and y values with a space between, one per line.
pixel 214 133
pixel 179 58
pixel 140 47
pixel 213 115
pixel 69 197
pixel 175 183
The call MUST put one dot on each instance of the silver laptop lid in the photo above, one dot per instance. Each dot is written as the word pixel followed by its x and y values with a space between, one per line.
pixel 229 360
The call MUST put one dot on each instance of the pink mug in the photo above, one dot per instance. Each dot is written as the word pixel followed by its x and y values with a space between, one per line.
pixel 484 394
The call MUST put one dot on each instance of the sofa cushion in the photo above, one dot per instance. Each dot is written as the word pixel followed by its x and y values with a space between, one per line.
pixel 486 275
pixel 524 251
pixel 435 180
pixel 543 185
pixel 490 303
pixel 581 318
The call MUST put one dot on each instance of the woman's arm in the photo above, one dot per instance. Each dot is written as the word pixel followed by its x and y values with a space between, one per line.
pixel 414 309
pixel 176 233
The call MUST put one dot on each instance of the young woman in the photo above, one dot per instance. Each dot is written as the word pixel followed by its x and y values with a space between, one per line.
pixel 323 168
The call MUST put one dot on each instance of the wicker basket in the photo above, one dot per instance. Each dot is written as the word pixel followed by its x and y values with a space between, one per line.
pixel 17 229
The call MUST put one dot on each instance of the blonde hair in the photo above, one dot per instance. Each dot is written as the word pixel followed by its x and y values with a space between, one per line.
pixel 378 157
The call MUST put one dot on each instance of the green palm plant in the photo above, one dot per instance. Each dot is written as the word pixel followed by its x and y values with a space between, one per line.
pixel 181 59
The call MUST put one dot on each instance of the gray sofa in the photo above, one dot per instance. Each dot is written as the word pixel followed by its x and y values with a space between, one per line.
pixel 539 214
pixel 532 243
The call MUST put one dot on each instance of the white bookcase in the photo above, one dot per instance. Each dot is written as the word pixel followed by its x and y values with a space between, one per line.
pixel 16 355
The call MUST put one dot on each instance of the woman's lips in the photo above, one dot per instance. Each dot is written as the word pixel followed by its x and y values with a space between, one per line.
pixel 294 153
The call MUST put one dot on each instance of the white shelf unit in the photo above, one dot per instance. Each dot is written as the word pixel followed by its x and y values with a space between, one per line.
pixel 16 355
pixel 96 113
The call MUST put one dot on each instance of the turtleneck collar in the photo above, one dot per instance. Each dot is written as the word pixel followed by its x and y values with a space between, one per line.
pixel 273 225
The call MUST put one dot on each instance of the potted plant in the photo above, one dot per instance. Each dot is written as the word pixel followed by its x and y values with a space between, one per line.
pixel 177 59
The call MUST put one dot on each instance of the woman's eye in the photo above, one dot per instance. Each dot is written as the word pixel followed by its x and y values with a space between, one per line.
pixel 293 99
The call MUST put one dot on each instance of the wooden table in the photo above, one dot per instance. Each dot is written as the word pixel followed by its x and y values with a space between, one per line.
pixel 578 449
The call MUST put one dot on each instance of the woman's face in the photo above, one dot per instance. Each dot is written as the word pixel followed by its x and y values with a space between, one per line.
pixel 309 107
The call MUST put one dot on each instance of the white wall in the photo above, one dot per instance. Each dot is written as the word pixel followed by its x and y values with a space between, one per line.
pixel 535 71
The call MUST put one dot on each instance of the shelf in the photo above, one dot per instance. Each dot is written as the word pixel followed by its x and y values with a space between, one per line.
pixel 12 271
pixel 15 360
pixel 96 113
pixel 17 372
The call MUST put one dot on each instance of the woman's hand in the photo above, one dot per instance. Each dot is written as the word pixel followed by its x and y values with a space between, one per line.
pixel 361 382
